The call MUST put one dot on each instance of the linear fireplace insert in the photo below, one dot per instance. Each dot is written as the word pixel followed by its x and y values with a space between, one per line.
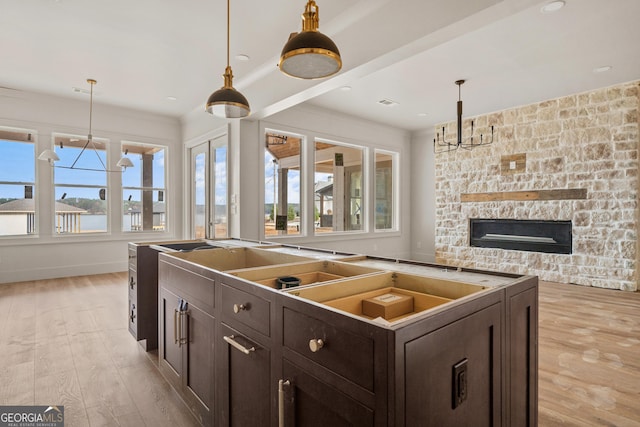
pixel 521 235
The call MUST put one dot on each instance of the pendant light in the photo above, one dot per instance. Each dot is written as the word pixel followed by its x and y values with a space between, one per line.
pixel 310 54
pixel 227 102
pixel 51 157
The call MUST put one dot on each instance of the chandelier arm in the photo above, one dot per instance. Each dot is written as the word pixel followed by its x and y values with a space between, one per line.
pixel 95 150
pixel 81 151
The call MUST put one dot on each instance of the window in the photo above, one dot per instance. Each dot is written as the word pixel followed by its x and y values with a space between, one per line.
pixel 17 183
pixel 143 188
pixel 282 174
pixel 209 193
pixel 80 192
pixel 338 187
pixel 384 185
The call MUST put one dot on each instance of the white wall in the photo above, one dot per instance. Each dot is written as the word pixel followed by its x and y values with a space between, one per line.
pixel 48 255
pixel 423 196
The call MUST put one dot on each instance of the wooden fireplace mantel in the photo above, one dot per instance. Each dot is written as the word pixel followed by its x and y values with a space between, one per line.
pixel 561 194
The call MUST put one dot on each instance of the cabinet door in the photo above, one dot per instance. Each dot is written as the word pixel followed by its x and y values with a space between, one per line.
pixel 170 351
pixel 452 375
pixel 245 389
pixel 198 380
pixel 305 400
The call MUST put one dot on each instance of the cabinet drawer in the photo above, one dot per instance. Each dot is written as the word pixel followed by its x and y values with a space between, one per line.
pixel 189 285
pixel 132 284
pixel 133 317
pixel 133 255
pixel 346 353
pixel 242 307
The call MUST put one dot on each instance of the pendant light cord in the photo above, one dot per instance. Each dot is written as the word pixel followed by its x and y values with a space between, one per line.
pixel 228 32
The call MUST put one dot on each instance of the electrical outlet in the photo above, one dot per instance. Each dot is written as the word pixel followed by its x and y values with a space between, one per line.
pixel 460 381
pixel 512 165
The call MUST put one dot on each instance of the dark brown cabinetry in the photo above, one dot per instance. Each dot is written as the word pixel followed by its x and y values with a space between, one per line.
pixel 143 295
pixel 246 387
pixel 244 380
pixel 243 354
pixel 187 331
pixel 306 400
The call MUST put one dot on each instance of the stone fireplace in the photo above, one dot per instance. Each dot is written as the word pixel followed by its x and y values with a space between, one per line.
pixel 569 160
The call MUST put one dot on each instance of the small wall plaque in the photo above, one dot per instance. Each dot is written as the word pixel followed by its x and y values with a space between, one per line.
pixel 513 163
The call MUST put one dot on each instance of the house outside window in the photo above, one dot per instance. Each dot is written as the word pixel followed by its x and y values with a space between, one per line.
pixel 17 183
pixel 144 188
pixel 283 171
pixel 81 191
pixel 385 170
pixel 339 190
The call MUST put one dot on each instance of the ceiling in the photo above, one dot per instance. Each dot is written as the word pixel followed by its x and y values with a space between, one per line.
pixel 407 51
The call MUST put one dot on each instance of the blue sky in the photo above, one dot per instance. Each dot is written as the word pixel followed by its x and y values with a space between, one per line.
pixel 293 187
pixel 18 162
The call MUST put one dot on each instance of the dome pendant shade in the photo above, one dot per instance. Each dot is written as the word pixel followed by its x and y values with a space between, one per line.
pixel 124 162
pixel 310 54
pixel 228 102
pixel 49 156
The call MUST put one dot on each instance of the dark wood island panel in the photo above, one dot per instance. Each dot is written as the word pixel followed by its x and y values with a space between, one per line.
pixel 297 358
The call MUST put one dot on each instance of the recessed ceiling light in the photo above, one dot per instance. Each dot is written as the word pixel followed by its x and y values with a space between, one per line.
pixel 242 57
pixel 602 69
pixel 172 98
pixel 345 88
pixel 553 6
pixel 422 114
pixel 387 103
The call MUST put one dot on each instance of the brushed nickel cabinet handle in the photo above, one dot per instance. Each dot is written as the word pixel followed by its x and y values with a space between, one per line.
pixel 237 308
pixel 175 325
pixel 183 340
pixel 315 345
pixel 231 340
pixel 281 386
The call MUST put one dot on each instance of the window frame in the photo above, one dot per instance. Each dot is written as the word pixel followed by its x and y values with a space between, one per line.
pixel 107 187
pixel 142 188
pixel 395 190
pixel 30 137
pixel 277 130
pixel 364 197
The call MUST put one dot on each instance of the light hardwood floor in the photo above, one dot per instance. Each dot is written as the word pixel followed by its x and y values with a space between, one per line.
pixel 589 356
pixel 65 342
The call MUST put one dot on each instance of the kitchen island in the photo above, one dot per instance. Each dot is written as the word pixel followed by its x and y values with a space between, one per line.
pixel 358 341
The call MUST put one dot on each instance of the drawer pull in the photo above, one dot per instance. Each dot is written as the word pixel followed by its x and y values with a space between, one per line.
pixel 315 345
pixel 176 325
pixel 281 385
pixel 230 339
pixel 237 308
pixel 131 282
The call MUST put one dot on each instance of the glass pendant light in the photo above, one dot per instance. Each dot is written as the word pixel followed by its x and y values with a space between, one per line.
pixel 310 54
pixel 227 102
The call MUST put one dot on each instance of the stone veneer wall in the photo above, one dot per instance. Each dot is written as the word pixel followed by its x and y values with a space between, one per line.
pixel 589 140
